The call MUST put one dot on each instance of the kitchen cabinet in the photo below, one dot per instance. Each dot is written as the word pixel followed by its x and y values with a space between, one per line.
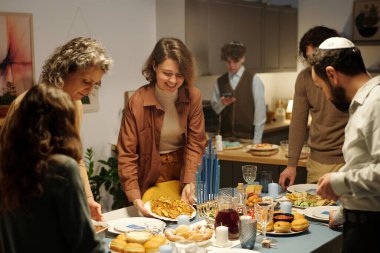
pixel 269 33
pixel 280 47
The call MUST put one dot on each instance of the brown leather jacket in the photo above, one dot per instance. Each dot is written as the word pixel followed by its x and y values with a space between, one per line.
pixel 139 161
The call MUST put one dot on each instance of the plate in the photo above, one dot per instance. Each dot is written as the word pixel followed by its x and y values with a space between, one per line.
pixel 147 207
pixel 264 153
pixel 112 251
pixel 263 147
pixel 309 188
pixel 228 145
pixel 320 213
pixel 233 251
pixel 120 226
pixel 286 234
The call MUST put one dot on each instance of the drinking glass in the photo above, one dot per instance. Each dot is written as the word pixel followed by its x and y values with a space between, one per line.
pixel 265 177
pixel 264 215
pixel 249 173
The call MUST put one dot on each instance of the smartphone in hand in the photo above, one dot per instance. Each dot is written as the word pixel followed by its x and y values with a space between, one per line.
pixel 227 95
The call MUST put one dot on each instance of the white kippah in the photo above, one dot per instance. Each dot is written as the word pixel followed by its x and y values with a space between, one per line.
pixel 336 43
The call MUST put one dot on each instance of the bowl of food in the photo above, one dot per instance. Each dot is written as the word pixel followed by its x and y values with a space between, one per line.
pixel 288 217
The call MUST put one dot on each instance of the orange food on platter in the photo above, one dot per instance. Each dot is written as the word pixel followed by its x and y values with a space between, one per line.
pixel 282 227
pixel 134 248
pixel 263 146
pixel 170 208
pixel 298 215
pixel 252 199
pixel 197 233
pixel 299 224
pixel 118 245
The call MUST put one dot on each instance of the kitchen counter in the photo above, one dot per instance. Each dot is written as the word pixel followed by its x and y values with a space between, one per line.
pixel 231 162
pixel 243 155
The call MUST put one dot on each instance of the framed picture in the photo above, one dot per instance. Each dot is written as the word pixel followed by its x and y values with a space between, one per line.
pixel 91 102
pixel 16 57
pixel 366 25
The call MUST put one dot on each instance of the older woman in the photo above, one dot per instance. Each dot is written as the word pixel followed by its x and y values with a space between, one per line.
pixel 162 134
pixel 77 67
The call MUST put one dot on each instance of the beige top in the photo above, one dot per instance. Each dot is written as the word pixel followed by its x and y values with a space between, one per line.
pixel 171 133
pixel 79 116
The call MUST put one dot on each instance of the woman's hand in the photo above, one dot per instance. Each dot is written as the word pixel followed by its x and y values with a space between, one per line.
pixel 95 210
pixel 139 204
pixel 188 194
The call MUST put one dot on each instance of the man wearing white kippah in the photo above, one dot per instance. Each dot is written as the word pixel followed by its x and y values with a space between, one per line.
pixel 339 70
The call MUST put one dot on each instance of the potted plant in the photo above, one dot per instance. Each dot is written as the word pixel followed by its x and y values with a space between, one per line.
pixel 107 177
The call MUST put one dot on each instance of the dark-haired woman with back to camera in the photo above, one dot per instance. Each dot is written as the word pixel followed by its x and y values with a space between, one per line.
pixel 43 207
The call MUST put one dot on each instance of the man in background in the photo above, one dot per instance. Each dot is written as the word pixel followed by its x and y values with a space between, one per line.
pixel 339 71
pixel 239 97
pixel 326 133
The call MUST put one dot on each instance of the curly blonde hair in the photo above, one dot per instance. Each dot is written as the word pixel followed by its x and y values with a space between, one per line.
pixel 78 53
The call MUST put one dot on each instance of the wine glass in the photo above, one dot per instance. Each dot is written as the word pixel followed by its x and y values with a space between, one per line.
pixel 264 215
pixel 249 173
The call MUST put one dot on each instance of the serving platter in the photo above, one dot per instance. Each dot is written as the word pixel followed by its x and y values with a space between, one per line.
pixel 287 234
pixel 263 147
pixel 262 151
pixel 309 188
pixel 320 213
pixel 148 208
pixel 123 225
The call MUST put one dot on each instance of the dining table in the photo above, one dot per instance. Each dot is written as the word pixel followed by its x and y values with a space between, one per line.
pixel 318 238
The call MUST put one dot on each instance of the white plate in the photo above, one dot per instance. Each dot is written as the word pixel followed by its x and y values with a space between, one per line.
pixel 257 147
pixel 286 234
pixel 120 226
pixel 309 188
pixel 228 145
pixel 147 207
pixel 320 213
pixel 233 251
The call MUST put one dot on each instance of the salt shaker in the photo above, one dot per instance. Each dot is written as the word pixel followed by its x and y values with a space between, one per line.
pixel 248 230
pixel 218 143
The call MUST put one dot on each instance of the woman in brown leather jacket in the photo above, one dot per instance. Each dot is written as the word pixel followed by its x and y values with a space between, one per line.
pixel 162 136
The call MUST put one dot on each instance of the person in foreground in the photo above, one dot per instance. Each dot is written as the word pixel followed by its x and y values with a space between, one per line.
pixel 326 132
pixel 339 70
pixel 76 67
pixel 239 97
pixel 43 207
pixel 162 135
